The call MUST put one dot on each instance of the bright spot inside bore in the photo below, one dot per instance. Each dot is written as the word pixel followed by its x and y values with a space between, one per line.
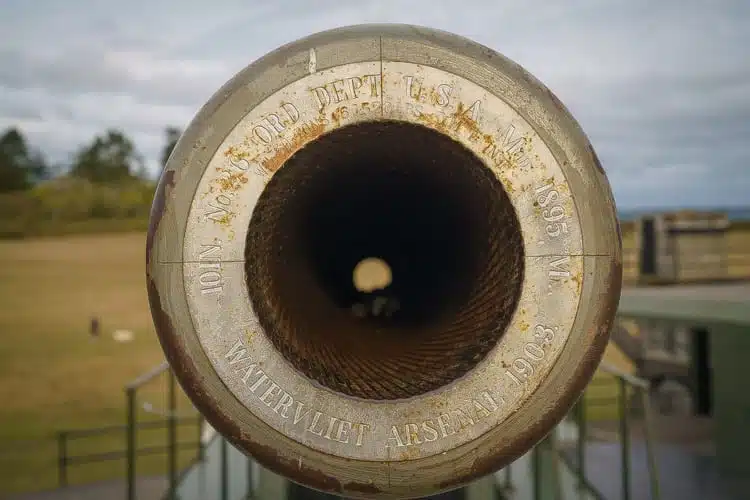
pixel 371 274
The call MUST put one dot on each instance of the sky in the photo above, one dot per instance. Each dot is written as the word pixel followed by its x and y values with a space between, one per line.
pixel 662 88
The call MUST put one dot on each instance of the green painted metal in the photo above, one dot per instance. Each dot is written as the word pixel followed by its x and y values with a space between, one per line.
pixel 724 311
pixel 653 472
pixel 624 437
pixel 580 414
pixel 729 348
pixel 698 305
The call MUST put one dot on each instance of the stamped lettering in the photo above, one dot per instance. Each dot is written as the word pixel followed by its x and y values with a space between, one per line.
pixel 439 96
pixel 533 352
pixel 511 150
pixel 300 414
pixel 473 111
pixel 346 89
pixel 273 125
pixel 445 424
pixel 557 272
pixel 209 269
pixel 558 268
pixel 218 209
pixel 547 198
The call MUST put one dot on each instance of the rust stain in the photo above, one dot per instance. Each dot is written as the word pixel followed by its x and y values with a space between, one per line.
pixel 231 181
pixel 225 219
pixel 578 280
pixel 234 153
pixel 303 135
pixel 500 157
pixel 339 114
pixel 157 209
pixel 367 488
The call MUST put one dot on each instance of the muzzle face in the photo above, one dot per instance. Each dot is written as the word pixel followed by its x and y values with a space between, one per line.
pixel 444 160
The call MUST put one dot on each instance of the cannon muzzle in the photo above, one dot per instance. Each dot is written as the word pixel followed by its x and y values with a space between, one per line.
pixel 384 261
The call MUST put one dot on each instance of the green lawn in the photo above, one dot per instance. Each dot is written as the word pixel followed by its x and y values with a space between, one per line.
pixel 53 376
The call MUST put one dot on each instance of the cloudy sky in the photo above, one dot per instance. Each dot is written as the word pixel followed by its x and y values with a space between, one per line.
pixel 661 87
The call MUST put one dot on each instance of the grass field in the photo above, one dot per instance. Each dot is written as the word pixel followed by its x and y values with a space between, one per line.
pixel 53 376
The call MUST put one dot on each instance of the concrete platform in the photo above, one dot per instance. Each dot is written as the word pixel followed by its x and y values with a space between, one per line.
pixel 147 488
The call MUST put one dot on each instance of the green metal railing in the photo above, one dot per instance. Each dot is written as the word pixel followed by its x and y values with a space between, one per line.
pixel 555 474
pixel 171 421
pixel 627 385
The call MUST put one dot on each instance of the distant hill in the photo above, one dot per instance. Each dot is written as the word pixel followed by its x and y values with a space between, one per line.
pixel 734 213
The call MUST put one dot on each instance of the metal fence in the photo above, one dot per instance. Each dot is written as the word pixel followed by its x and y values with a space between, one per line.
pixel 58 451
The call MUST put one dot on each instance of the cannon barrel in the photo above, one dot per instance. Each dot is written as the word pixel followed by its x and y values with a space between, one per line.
pixel 488 226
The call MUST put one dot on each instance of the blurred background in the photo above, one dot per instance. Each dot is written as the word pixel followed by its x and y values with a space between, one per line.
pixel 94 94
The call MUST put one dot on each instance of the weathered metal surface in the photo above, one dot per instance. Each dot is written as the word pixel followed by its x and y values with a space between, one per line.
pixel 374 422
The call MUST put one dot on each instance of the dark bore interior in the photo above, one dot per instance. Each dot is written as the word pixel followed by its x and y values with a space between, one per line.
pixel 422 203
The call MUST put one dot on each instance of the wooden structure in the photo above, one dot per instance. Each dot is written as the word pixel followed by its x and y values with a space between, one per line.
pixel 682 247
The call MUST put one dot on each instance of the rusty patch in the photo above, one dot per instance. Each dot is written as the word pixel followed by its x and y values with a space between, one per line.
pixel 303 135
pixel 191 381
pixel 157 210
pixel 339 114
pixel 232 181
pixel 361 488
pixel 236 154
pixel 460 119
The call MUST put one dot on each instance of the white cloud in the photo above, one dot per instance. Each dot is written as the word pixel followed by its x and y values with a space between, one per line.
pixel 661 88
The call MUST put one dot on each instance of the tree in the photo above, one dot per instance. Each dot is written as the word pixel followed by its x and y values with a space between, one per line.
pixel 20 166
pixel 173 134
pixel 109 159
